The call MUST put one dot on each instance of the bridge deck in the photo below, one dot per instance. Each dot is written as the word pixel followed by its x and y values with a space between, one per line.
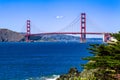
pixel 90 33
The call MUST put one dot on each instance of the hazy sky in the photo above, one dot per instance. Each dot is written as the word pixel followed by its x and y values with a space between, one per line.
pixel 53 15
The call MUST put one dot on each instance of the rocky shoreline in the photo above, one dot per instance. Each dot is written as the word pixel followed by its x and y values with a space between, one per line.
pixel 73 74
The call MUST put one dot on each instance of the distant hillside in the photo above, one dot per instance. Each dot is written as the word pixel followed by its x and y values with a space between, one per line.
pixel 61 37
pixel 9 36
pixel 54 37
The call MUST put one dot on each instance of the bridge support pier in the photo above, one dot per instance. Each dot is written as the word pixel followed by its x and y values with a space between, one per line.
pixel 83 28
pixel 106 37
pixel 28 30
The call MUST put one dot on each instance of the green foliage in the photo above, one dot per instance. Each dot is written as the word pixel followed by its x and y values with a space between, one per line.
pixel 73 74
pixel 116 36
pixel 106 59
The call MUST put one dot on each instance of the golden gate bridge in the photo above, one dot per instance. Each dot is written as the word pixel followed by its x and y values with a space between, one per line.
pixel 82 27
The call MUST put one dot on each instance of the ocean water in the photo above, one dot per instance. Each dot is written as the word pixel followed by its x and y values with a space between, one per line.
pixel 40 61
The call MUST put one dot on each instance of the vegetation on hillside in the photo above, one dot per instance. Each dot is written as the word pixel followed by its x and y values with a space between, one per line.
pixel 103 65
pixel 105 60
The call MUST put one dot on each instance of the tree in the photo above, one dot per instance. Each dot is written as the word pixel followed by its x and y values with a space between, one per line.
pixel 116 36
pixel 105 59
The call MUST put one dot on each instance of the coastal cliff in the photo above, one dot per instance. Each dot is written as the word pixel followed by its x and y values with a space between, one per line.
pixel 10 36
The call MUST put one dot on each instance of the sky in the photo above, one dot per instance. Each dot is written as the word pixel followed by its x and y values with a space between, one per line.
pixel 53 15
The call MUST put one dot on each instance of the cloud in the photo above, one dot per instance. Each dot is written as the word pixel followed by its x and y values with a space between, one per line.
pixel 59 17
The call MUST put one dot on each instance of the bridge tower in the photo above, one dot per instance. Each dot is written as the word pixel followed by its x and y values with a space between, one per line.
pixel 83 27
pixel 28 30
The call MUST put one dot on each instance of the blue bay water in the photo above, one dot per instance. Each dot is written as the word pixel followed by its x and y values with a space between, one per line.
pixel 21 61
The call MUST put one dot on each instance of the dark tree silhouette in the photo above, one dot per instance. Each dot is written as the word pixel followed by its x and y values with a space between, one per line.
pixel 105 59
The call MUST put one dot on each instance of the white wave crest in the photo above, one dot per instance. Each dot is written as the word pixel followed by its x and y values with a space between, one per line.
pixel 53 77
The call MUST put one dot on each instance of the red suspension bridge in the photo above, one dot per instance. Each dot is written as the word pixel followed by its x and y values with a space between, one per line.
pixel 82 30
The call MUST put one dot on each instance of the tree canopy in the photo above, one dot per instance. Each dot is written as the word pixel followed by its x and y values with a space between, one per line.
pixel 105 59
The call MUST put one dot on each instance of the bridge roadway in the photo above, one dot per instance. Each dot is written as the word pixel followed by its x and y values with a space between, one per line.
pixel 49 33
